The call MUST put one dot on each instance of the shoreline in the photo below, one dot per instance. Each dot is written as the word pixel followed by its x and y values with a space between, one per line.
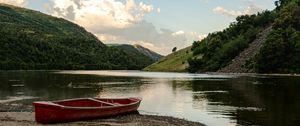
pixel 252 74
pixel 23 115
pixel 132 119
pixel 212 73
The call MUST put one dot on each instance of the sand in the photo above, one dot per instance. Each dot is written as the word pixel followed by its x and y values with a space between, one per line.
pixel 27 119
pixel 20 115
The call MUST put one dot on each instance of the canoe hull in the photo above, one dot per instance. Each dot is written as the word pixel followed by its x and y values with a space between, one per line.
pixel 47 114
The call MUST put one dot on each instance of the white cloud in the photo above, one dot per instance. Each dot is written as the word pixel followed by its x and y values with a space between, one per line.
pixel 146 8
pixel 113 21
pixel 107 37
pixel 178 33
pixel 100 14
pixel 158 10
pixel 130 4
pixel 251 9
pixel 201 37
pixel 197 36
pixel 227 12
pixel 20 3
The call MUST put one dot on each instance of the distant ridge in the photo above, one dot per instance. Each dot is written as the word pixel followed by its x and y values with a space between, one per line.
pixel 153 55
pixel 138 50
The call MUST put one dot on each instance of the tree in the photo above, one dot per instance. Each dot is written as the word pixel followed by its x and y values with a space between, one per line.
pixel 174 49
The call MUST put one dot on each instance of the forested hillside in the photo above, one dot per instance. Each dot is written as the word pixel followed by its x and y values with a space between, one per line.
pixel 33 40
pixel 219 48
pixel 147 52
pixel 279 53
pixel 143 55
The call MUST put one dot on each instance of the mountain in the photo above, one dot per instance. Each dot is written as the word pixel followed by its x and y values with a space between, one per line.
pixel 33 40
pixel 153 55
pixel 175 62
pixel 266 42
pixel 139 51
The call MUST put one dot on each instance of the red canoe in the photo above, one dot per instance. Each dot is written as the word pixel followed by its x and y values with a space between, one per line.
pixel 82 109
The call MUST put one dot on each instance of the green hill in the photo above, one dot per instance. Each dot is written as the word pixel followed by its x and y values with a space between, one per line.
pixel 175 62
pixel 33 40
pixel 142 54
pixel 277 31
pixel 139 51
pixel 267 42
pixel 147 52
pixel 281 51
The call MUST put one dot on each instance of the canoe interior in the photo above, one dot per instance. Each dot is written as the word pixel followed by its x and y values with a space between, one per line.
pixel 96 103
pixel 82 103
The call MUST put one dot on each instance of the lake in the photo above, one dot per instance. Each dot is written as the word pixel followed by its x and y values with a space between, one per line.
pixel 215 100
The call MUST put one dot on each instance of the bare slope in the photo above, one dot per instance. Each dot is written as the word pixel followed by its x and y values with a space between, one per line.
pixel 239 62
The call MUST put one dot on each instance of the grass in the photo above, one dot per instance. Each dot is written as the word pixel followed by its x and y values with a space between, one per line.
pixel 175 62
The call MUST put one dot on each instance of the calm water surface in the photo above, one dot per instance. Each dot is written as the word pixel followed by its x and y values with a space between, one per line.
pixel 215 100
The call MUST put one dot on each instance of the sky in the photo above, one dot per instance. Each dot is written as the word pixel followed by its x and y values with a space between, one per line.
pixel 158 25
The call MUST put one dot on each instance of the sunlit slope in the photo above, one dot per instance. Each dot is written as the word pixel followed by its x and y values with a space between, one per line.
pixel 175 62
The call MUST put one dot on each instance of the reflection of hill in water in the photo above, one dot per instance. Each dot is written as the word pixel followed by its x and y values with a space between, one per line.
pixel 273 101
pixel 46 85
pixel 51 86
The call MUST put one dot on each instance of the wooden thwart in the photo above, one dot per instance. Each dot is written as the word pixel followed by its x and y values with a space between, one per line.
pixel 112 104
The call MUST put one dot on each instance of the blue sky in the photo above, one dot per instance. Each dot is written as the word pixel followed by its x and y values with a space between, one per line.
pixel 197 15
pixel 156 24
